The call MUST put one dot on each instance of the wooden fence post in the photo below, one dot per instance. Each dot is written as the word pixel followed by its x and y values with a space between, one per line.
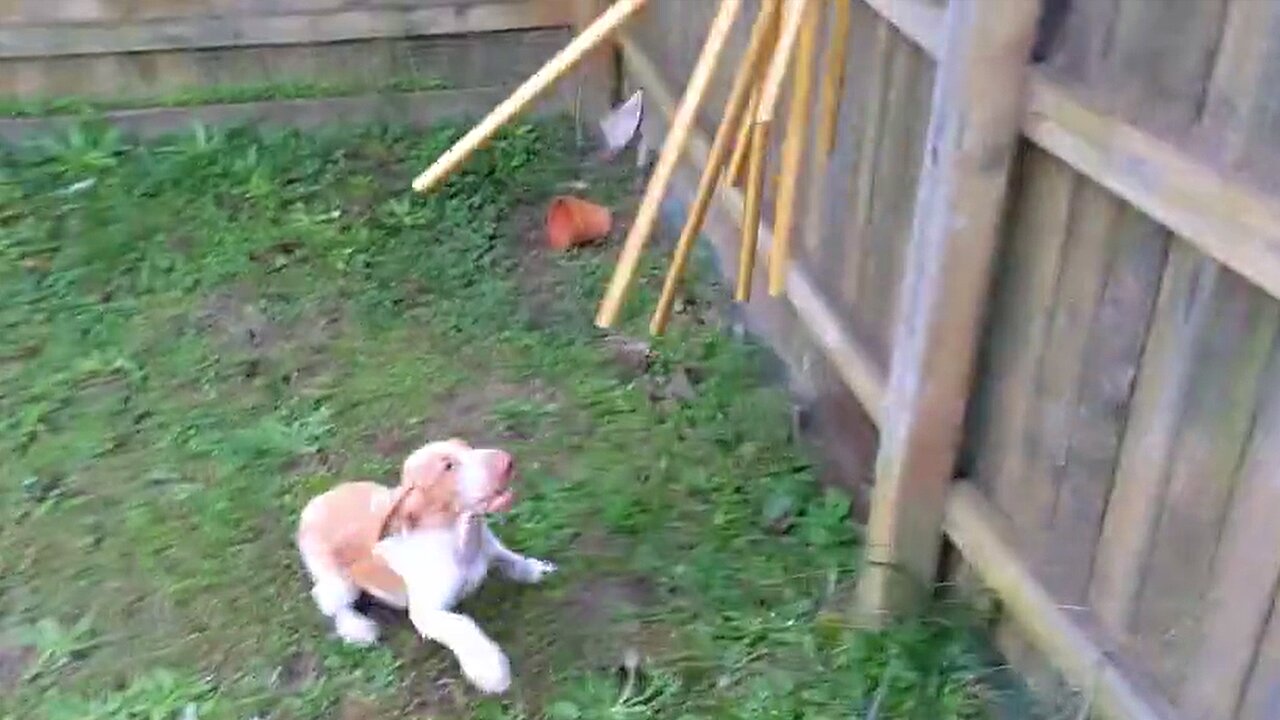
pixel 972 137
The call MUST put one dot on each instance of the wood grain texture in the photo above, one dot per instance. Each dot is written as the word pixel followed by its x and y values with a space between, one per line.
pixel 1021 308
pixel 867 124
pixel 1183 312
pixel 885 191
pixel 1246 571
pixel 1110 354
pixel 1160 56
pixel 480 60
pixel 1262 696
pixel 979 531
pixel 225 30
pixel 971 139
pixel 834 96
pixel 1240 107
pixel 899 155
pixel 1223 217
pixel 1229 360
pixel 1082 273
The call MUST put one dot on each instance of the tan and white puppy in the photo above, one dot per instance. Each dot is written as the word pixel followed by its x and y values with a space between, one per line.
pixel 423 545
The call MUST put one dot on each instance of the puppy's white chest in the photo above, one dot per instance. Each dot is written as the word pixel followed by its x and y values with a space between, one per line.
pixel 438 568
pixel 471 573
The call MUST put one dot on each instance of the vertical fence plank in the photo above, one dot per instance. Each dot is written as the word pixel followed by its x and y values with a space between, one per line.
pixel 1111 353
pixel 867 124
pixel 1161 54
pixel 833 96
pixel 1142 471
pixel 1046 434
pixel 1246 572
pixel 1230 361
pixel 971 140
pixel 1262 696
pixel 891 187
pixel 1023 304
pixel 1240 103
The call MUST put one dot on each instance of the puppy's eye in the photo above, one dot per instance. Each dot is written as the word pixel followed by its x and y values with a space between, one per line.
pixel 450 465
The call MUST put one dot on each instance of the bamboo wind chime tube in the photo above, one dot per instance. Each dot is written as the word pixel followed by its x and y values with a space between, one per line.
pixel 733 174
pixel 681 124
pixel 769 92
pixel 735 171
pixel 546 76
pixel 757 148
pixel 733 117
pixel 833 78
pixel 793 148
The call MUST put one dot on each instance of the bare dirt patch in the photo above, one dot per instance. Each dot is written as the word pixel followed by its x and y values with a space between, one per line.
pixel 469 413
pixel 299 670
pixel 536 276
pixel 602 615
pixel 15 661
pixel 473 413
pixel 235 320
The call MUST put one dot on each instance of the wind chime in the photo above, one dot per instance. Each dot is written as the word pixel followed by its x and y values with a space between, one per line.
pixel 783 35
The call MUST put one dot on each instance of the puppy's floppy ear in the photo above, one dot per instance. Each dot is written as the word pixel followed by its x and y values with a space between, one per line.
pixel 406 511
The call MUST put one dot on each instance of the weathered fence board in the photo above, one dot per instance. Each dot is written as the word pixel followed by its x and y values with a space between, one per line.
pixel 1240 107
pixel 1182 313
pixel 197 28
pixel 1262 697
pixel 1019 322
pixel 1056 384
pixel 1229 361
pixel 1110 356
pixel 1246 570
pixel 455 62
pixel 867 115
pixel 1160 57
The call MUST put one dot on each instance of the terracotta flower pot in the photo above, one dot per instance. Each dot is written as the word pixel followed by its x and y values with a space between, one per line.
pixel 573 221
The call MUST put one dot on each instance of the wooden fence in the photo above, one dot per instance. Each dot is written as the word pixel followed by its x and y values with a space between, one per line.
pixel 118 49
pixel 1057 280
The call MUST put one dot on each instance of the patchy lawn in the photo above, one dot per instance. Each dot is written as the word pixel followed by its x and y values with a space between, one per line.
pixel 201 334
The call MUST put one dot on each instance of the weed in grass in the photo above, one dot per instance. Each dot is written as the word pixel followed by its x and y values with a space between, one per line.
pixel 204 332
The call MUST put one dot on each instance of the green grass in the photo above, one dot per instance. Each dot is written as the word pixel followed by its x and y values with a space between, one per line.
pixel 213 95
pixel 201 334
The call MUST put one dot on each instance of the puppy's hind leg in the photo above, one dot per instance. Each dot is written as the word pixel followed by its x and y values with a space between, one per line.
pixel 335 595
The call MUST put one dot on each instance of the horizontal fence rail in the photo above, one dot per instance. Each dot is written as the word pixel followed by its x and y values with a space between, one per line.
pixel 297 27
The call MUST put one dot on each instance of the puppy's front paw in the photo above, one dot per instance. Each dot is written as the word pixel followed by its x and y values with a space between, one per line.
pixel 536 570
pixel 488 669
pixel 356 629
